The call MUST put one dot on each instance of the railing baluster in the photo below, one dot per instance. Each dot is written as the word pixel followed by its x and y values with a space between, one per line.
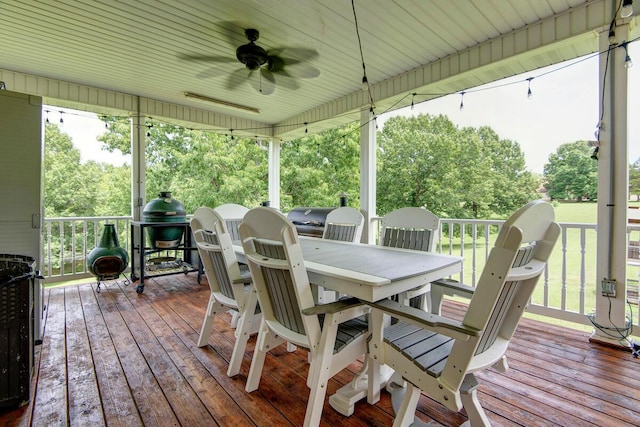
pixel 563 282
pixel 583 268
pixel 564 278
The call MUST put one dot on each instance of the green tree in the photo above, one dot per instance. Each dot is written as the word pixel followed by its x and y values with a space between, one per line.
pixel 571 173
pixel 200 168
pixel 317 169
pixel 634 178
pixel 68 184
pixel 456 173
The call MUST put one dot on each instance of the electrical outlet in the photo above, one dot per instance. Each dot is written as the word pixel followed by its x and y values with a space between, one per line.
pixel 609 288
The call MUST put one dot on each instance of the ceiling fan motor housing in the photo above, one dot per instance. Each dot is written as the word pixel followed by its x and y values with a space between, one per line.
pixel 250 54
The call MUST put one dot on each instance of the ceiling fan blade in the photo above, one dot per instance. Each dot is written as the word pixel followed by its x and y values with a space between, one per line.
pixel 296 54
pixel 233 32
pixel 236 78
pixel 300 70
pixel 262 83
pixel 208 58
pixel 288 81
pixel 209 72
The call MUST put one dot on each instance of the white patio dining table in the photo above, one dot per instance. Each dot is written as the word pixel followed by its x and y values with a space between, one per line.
pixel 369 273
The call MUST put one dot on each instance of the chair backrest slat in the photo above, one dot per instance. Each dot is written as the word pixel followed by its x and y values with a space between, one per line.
pixel 505 300
pixel 212 237
pixel 409 228
pixel 343 224
pixel 280 287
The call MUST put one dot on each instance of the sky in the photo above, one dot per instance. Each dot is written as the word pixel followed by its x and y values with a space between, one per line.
pixel 563 108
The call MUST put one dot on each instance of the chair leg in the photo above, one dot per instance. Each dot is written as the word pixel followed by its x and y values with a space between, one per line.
pixel 319 373
pixel 469 397
pixel 245 326
pixel 266 341
pixel 235 318
pixel 213 308
pixel 406 412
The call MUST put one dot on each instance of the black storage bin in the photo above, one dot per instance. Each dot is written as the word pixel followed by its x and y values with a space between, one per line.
pixel 17 278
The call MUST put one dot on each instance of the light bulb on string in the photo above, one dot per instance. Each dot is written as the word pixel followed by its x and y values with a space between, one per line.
pixel 231 133
pixel 628 63
pixel 47 116
pixel 462 100
pixel 365 82
pixel 529 93
pixel 61 120
pixel 306 127
pixel 413 95
pixel 627 9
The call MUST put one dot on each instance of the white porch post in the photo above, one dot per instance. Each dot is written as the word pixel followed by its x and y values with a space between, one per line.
pixel 274 173
pixel 137 165
pixel 612 189
pixel 368 173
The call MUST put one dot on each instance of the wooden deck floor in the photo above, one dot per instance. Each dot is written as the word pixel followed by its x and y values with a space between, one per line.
pixel 122 359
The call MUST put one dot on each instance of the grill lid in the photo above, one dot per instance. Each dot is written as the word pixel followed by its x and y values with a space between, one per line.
pixel 309 216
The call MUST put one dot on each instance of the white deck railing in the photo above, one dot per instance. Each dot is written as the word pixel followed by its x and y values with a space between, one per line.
pixel 567 290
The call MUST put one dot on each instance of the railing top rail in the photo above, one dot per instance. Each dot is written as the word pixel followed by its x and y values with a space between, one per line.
pixel 87 218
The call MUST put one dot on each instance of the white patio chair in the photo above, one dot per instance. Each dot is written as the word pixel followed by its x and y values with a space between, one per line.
pixel 232 214
pixel 411 228
pixel 335 334
pixel 440 356
pixel 343 224
pixel 230 287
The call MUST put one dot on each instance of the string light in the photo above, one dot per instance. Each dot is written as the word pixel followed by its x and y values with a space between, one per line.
pixel 628 63
pixel 627 9
pixel 612 34
pixel 413 95
pixel 529 93
pixel 306 127
pixel 47 116
pixel 231 132
pixel 61 120
pixel 149 126
pixel 462 100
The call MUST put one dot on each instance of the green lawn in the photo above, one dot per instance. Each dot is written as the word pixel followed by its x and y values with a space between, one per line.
pixel 561 289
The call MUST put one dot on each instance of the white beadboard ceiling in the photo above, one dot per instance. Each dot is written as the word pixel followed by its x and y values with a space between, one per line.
pixel 105 55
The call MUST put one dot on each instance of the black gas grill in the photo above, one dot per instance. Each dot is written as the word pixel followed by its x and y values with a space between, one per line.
pixel 309 221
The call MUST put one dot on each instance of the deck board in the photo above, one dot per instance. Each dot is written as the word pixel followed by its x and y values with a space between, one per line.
pixel 118 358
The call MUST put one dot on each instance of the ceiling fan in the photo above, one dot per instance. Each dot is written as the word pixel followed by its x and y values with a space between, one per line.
pixel 282 62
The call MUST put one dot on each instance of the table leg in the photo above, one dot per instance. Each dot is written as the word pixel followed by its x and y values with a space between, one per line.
pixel 371 378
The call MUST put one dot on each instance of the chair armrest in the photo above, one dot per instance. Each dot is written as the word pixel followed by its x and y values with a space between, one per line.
pixel 453 288
pixel 335 307
pixel 245 278
pixel 418 317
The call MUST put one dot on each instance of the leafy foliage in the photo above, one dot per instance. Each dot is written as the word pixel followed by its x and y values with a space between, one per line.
pixel 72 188
pixel 317 169
pixel 634 178
pixel 456 173
pixel 571 173
pixel 199 168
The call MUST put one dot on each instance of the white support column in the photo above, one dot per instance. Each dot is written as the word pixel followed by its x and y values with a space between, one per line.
pixel 368 173
pixel 274 173
pixel 138 161
pixel 612 190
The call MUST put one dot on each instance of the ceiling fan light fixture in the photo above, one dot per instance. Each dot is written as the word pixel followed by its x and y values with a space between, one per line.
pixel 221 102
